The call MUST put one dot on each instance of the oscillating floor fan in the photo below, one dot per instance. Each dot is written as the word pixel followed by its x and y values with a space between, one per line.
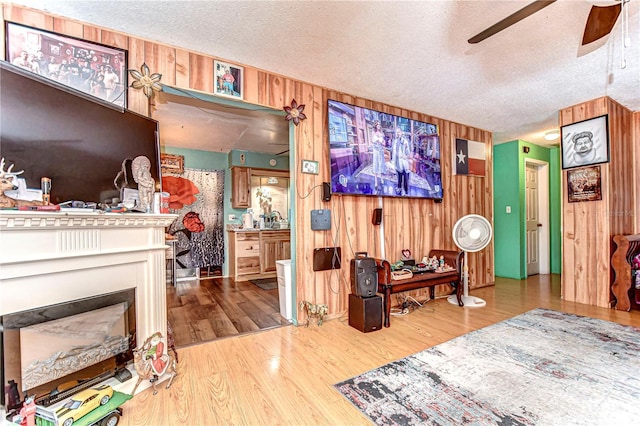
pixel 471 233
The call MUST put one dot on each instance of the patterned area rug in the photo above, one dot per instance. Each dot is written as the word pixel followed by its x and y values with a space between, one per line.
pixel 539 368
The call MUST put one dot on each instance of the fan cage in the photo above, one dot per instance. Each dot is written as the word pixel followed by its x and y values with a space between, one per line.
pixel 465 226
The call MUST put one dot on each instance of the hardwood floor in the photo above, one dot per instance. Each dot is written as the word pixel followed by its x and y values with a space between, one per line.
pixel 286 375
pixel 208 309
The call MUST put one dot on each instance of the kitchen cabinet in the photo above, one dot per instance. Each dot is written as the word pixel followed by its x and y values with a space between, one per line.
pixel 274 245
pixel 244 254
pixel 253 254
pixel 240 187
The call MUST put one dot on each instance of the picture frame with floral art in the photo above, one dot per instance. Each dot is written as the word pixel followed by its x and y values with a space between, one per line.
pixel 228 80
pixel 92 68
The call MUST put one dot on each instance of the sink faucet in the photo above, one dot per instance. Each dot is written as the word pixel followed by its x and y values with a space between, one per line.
pixel 275 215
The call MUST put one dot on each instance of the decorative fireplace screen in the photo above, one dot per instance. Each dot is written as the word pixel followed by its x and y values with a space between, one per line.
pixel 48 350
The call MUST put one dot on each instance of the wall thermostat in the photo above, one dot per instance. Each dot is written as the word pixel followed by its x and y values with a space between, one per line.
pixel 320 220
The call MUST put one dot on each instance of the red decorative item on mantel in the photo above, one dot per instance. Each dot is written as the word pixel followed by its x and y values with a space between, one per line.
pixel 294 112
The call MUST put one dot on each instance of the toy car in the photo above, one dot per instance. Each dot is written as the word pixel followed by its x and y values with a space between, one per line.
pixel 83 403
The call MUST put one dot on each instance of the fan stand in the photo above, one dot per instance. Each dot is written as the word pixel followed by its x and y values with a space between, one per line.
pixel 469 301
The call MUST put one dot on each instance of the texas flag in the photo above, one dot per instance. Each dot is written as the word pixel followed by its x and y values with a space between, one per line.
pixel 469 157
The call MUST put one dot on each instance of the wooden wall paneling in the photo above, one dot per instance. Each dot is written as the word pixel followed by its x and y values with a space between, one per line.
pixel 91 33
pixel 415 224
pixel 278 91
pixel 114 39
pixel 160 59
pixel 200 73
pixel 70 28
pixel 263 87
pixel 251 88
pixel 622 200
pixel 136 99
pixel 586 229
pixel 28 17
pixel 635 138
pixel 182 67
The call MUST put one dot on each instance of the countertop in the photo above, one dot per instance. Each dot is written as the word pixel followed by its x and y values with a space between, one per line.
pixel 258 230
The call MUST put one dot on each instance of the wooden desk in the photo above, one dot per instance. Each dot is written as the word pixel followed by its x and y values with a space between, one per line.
pixel 387 286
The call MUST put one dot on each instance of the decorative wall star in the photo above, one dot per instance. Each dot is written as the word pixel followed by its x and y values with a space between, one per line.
pixel 146 81
pixel 294 112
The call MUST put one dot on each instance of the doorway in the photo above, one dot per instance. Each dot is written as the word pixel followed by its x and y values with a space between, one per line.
pixel 537 217
pixel 213 134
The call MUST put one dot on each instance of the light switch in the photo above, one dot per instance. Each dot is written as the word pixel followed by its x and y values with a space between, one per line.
pixel 508 209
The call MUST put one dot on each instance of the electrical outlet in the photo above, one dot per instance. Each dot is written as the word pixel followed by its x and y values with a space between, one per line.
pixel 232 217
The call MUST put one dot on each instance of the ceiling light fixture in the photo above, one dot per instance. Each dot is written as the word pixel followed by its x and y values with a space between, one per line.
pixel 552 135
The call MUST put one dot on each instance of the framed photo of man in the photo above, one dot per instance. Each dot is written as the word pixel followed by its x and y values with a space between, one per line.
pixel 228 80
pixel 585 143
pixel 92 68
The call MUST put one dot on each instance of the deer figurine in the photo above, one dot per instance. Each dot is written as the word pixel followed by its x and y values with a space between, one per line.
pixel 6 184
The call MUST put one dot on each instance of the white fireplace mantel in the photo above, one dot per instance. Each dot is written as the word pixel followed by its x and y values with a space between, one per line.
pixel 54 257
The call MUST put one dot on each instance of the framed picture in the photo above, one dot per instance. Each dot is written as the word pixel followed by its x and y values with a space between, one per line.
pixel 585 143
pixel 584 184
pixel 310 167
pixel 227 79
pixel 170 163
pixel 92 68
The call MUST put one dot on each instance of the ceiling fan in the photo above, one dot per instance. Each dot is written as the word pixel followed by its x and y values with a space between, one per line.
pixel 599 23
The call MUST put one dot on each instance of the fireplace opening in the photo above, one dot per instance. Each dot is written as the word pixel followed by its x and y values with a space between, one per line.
pixel 54 351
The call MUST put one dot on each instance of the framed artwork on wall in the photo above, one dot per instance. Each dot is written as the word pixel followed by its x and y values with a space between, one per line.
pixel 585 143
pixel 92 68
pixel 170 163
pixel 228 79
pixel 584 184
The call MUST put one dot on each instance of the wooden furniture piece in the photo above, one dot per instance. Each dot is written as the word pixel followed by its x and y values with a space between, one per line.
pixel 240 187
pixel 274 245
pixel 253 253
pixel 627 246
pixel 388 286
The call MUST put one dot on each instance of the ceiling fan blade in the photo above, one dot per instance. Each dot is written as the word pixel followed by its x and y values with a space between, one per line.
pixel 518 16
pixel 600 22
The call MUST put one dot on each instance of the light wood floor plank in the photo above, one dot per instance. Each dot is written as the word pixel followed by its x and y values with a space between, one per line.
pixel 286 375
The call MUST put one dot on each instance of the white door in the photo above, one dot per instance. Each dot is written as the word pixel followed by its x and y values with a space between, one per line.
pixel 532 220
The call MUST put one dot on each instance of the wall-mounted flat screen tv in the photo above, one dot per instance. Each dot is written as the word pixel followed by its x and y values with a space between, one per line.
pixel 50 130
pixel 375 153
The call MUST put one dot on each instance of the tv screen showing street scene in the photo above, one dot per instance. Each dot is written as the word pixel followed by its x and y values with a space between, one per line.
pixel 375 153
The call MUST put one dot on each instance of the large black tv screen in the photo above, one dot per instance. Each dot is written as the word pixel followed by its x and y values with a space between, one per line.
pixel 52 131
pixel 375 153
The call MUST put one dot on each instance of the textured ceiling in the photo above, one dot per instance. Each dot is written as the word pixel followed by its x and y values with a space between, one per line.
pixel 413 55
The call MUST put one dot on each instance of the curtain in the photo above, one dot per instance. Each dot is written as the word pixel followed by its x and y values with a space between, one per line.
pixel 197 197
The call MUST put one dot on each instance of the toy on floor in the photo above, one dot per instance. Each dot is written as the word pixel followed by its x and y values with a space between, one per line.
pixel 151 362
pixel 314 310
